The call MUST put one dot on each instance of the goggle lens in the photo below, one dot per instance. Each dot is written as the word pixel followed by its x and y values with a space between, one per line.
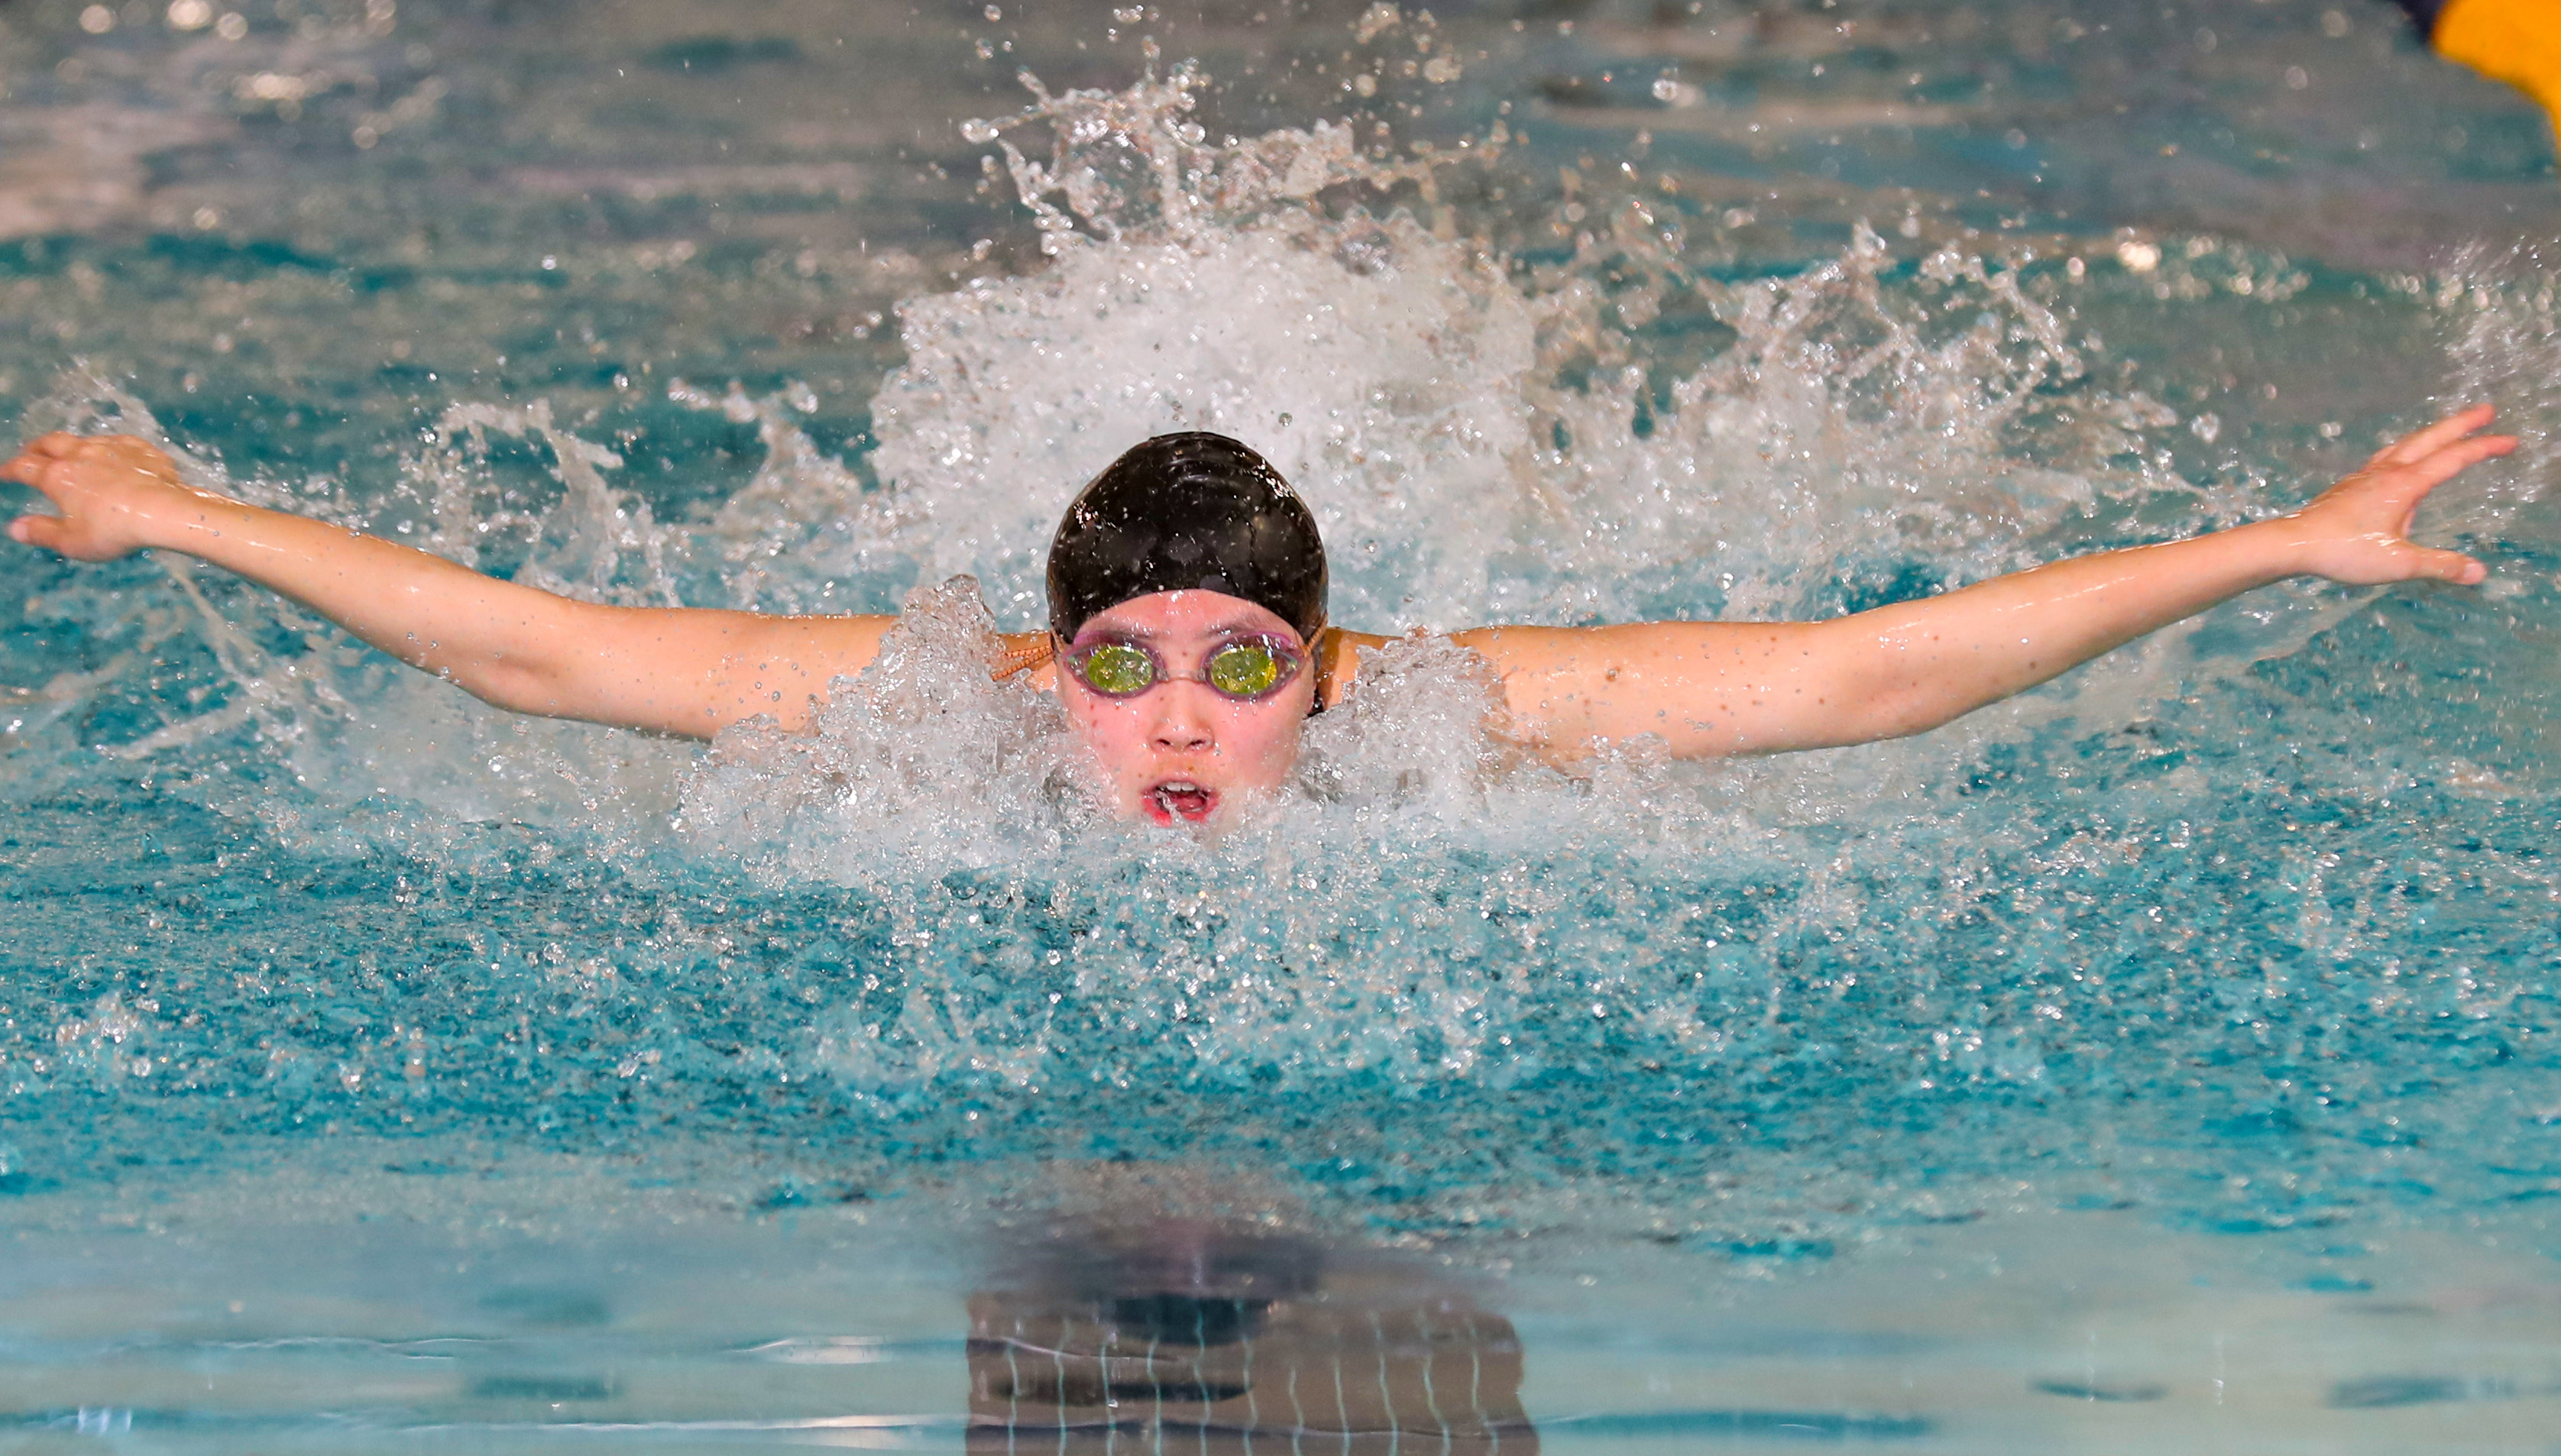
pixel 1245 669
pixel 1118 667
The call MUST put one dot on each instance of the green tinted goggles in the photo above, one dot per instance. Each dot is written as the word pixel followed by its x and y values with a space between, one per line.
pixel 1246 668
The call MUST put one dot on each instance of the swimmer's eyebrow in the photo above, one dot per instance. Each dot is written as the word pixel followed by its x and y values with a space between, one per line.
pixel 1238 628
pixel 1119 635
pixel 1235 627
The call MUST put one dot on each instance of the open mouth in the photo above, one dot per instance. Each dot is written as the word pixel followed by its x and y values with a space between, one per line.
pixel 1178 801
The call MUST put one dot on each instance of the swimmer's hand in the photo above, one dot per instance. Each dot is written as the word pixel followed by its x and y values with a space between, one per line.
pixel 112 491
pixel 2358 531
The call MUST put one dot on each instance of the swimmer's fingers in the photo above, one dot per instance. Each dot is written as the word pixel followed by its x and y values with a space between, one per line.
pixel 2386 496
pixel 2420 443
pixel 56 475
pixel 2463 455
pixel 2391 558
pixel 2381 557
pixel 38 454
pixel 83 536
pixel 27 466
pixel 59 462
pixel 63 446
pixel 2361 525
pixel 91 482
pixel 52 532
pixel 42 471
pixel 2405 486
pixel 57 446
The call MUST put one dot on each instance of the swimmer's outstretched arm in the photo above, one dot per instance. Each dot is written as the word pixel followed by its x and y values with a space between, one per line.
pixel 1710 688
pixel 674 670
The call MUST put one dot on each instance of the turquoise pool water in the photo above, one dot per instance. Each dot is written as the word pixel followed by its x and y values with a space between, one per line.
pixel 2160 1062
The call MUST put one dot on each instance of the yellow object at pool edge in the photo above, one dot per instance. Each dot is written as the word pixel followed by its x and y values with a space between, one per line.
pixel 2514 41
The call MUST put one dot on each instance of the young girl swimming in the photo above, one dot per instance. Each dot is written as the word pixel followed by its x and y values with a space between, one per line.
pixel 1188 640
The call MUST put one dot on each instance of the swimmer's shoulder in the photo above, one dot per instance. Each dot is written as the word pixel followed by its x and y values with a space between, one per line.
pixel 1338 653
pixel 1029 655
pixel 1339 662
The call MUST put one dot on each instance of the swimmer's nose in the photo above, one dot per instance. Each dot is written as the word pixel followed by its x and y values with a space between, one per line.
pixel 1182 723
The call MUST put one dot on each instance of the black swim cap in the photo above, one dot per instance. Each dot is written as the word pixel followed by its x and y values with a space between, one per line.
pixel 1187 513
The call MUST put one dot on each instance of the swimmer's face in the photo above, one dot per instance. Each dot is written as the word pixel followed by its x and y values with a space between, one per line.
pixel 1182 752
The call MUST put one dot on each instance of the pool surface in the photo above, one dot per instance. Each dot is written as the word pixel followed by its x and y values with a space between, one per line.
pixel 2165 1061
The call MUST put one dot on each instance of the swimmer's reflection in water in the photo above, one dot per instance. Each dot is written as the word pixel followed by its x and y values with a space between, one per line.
pixel 1176 1332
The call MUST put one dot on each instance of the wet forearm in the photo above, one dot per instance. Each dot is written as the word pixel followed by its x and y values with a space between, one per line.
pixel 678 670
pixel 1708 688
pixel 497 640
pixel 1923 663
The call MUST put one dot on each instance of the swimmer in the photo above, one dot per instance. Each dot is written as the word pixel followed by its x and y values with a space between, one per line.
pixel 1188 640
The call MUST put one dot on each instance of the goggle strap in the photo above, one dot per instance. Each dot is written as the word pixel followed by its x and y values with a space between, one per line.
pixel 1021 652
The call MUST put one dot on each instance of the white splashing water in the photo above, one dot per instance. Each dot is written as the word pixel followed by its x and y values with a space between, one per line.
pixel 2506 315
pixel 1479 441
pixel 925 753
